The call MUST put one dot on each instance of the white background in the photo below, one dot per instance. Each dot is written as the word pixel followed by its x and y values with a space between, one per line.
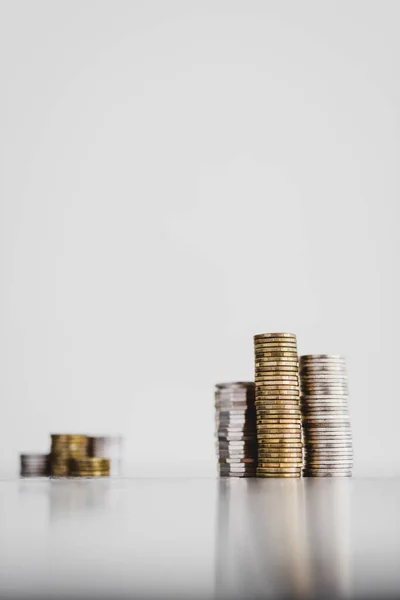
pixel 175 177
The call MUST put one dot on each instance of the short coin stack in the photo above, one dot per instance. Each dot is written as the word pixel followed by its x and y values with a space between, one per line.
pixel 277 404
pixel 325 416
pixel 108 446
pixel 34 465
pixel 89 467
pixel 235 418
pixel 63 448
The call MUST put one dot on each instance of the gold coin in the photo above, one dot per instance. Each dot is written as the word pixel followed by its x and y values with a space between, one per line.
pixel 277 464
pixel 258 336
pixel 278 392
pixel 282 436
pixel 264 475
pixel 282 456
pixel 279 469
pixel 270 386
pixel 90 474
pixel 278 413
pixel 280 403
pixel 278 353
pixel 278 429
pixel 271 361
pixel 281 421
pixel 267 346
pixel 260 377
pixel 266 445
pixel 285 370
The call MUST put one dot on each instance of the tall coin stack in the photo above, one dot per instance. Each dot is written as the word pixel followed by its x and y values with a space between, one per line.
pixel 235 418
pixel 108 446
pixel 34 465
pixel 325 416
pixel 63 448
pixel 277 405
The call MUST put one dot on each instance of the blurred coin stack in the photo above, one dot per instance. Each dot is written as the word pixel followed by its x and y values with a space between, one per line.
pixel 34 465
pixel 107 446
pixel 93 466
pixel 277 405
pixel 64 448
pixel 325 417
pixel 235 418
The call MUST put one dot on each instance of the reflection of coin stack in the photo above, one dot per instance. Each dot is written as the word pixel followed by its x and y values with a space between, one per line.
pixel 108 446
pixel 325 416
pixel 277 404
pixel 236 429
pixel 65 447
pixel 34 465
pixel 89 467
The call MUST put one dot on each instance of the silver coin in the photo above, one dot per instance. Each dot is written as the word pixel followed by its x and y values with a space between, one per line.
pixel 318 357
pixel 326 474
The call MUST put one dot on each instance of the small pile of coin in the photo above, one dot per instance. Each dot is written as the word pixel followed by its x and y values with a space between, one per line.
pixel 108 446
pixel 277 404
pixel 34 465
pixel 235 420
pixel 93 466
pixel 65 447
pixel 325 416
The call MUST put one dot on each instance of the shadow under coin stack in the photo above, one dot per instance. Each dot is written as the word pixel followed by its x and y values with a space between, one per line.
pixel 277 405
pixel 34 465
pixel 63 449
pixel 108 446
pixel 89 467
pixel 325 416
pixel 235 418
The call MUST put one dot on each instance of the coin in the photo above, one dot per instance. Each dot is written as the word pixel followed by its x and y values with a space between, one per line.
pixel 270 469
pixel 277 378
pixel 319 473
pixel 317 357
pixel 260 336
pixel 278 437
pixel 279 414
pixel 273 421
pixel 283 452
pixel 286 347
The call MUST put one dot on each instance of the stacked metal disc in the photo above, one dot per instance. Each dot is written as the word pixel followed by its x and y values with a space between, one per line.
pixel 93 466
pixel 34 465
pixel 64 447
pixel 235 418
pixel 277 404
pixel 108 446
pixel 325 417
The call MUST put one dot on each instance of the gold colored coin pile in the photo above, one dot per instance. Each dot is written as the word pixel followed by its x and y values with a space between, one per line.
pixel 94 466
pixel 277 405
pixel 65 447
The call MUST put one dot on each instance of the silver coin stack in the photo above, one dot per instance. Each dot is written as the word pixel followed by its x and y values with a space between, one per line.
pixel 327 436
pixel 108 446
pixel 34 465
pixel 236 430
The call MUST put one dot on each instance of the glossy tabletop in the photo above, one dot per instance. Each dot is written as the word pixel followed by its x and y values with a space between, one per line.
pixel 199 538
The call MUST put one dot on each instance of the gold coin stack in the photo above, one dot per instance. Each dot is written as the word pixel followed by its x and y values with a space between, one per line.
pixel 94 466
pixel 278 405
pixel 64 447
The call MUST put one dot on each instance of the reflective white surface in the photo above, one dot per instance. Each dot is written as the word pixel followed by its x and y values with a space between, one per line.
pixel 199 538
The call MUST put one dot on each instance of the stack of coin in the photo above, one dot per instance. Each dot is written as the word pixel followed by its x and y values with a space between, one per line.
pixel 108 446
pixel 93 466
pixel 277 404
pixel 235 418
pixel 63 448
pixel 325 416
pixel 34 465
